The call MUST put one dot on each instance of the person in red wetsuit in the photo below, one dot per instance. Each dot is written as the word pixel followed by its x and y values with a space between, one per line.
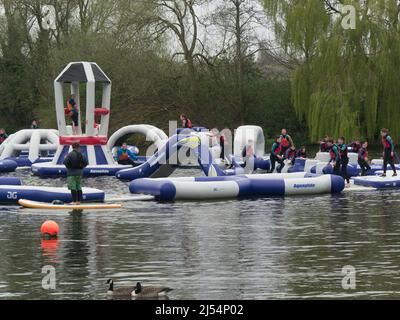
pixel 186 122
pixel 363 158
pixel 388 152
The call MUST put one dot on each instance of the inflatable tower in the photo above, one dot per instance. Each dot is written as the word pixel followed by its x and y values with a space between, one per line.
pixel 94 116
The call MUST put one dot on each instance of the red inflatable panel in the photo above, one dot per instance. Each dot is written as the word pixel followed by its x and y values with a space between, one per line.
pixel 84 141
pixel 101 111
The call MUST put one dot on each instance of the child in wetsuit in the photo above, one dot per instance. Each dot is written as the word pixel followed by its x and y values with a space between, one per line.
pixel 363 158
pixel 388 152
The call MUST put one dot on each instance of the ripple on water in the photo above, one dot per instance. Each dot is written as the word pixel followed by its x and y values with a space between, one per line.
pixel 266 248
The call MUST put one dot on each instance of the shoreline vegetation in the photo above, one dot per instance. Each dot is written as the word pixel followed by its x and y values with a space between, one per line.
pixel 211 63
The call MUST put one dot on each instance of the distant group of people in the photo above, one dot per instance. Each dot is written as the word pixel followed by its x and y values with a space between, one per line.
pixel 283 149
pixel 339 154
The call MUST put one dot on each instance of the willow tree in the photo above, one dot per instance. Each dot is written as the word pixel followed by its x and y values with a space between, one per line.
pixel 345 79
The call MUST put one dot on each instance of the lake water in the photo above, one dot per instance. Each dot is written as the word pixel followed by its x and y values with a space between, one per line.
pixel 266 248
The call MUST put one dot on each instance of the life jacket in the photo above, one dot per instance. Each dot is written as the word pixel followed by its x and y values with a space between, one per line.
pixel 124 156
pixel 362 154
pixel 188 123
pixel 2 138
pixel 278 148
pixel 324 147
pixel 386 143
pixel 332 153
pixel 290 154
pixel 284 141
pixel 69 105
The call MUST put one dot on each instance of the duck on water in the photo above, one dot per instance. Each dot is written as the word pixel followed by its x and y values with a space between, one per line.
pixel 138 291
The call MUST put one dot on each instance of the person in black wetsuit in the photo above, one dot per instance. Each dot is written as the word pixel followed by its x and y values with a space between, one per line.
pixel 276 155
pixel 75 162
pixel 344 159
pixel 388 152
pixel 363 158
pixel 334 155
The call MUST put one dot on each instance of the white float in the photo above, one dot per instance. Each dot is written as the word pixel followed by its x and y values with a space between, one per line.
pixel 153 134
pixel 33 142
pixel 243 135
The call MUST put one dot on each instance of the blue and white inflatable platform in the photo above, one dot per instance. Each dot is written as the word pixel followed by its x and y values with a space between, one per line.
pixel 204 188
pixel 378 181
pixel 8 166
pixel 12 193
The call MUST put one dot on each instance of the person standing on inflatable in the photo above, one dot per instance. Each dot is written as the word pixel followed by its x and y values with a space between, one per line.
pixel 335 156
pixel 73 112
pixel 388 152
pixel 186 123
pixel 276 155
pixel 286 141
pixel 363 158
pixel 125 156
pixel 222 141
pixel 344 159
pixel 75 162
pixel 3 135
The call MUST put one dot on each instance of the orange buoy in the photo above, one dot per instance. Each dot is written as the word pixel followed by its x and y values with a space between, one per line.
pixel 49 229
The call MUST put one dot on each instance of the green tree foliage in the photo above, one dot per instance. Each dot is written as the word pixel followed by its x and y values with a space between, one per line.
pixel 153 80
pixel 344 82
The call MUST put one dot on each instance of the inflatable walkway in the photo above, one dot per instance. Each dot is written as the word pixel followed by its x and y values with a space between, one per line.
pixel 379 182
pixel 170 189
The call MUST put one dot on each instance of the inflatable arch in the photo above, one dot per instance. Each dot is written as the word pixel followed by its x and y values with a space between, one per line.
pixel 243 135
pixel 31 141
pixel 154 134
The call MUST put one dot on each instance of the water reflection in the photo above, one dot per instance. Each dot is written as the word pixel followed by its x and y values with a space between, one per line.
pixel 235 249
